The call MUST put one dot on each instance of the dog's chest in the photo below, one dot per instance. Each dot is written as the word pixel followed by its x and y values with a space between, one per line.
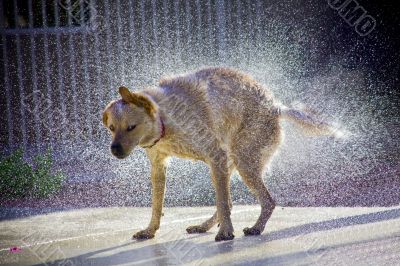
pixel 182 149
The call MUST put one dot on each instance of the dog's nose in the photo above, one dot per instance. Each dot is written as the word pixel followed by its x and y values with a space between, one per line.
pixel 116 149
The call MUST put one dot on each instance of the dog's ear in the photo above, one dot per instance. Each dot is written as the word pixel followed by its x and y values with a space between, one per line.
pixel 105 118
pixel 139 100
pixel 125 94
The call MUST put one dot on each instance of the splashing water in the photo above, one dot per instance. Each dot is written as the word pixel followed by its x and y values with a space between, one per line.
pixel 301 52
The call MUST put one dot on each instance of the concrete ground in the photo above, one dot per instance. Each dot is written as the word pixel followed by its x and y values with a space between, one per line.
pixel 293 236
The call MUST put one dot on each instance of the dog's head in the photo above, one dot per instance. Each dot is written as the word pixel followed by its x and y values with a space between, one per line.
pixel 132 121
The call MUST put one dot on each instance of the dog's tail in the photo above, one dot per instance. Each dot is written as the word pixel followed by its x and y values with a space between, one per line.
pixel 310 123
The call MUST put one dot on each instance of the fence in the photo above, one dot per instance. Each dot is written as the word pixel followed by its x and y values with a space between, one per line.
pixel 62 60
pixel 46 70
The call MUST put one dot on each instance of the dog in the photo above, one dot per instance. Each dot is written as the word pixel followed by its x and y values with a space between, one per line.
pixel 220 116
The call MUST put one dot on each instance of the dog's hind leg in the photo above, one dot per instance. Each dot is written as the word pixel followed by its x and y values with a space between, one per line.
pixel 220 177
pixel 256 185
pixel 209 223
pixel 205 226
pixel 250 156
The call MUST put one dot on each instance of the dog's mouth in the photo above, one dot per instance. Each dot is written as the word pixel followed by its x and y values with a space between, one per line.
pixel 118 151
pixel 121 156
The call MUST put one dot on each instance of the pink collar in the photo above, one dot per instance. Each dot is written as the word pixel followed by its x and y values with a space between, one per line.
pixel 161 136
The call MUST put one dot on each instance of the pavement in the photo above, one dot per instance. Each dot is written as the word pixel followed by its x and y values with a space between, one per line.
pixel 293 236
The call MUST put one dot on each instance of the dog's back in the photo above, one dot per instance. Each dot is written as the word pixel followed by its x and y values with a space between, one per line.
pixel 226 106
pixel 222 100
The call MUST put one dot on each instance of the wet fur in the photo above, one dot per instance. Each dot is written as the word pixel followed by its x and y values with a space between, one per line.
pixel 217 115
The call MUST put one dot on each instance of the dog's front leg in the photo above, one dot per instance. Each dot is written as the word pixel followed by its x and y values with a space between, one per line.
pixel 158 169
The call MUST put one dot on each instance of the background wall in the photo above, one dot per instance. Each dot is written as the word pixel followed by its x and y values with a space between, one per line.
pixel 63 61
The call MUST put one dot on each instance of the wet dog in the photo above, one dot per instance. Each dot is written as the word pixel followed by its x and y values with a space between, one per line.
pixel 217 115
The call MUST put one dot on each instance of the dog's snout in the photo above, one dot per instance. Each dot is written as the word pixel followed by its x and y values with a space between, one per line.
pixel 116 149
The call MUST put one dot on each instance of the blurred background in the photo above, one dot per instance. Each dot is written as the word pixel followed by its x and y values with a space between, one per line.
pixel 62 62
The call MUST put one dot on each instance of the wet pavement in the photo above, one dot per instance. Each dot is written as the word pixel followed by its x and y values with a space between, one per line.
pixel 293 236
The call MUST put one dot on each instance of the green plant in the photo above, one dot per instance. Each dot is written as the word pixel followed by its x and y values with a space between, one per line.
pixel 18 178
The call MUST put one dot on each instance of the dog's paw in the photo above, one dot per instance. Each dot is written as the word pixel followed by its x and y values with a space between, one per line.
pixel 144 234
pixel 223 236
pixel 251 231
pixel 196 229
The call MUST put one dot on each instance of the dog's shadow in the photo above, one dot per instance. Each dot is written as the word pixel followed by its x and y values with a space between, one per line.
pixel 181 251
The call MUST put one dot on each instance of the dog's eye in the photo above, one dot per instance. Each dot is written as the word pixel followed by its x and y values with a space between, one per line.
pixel 130 128
pixel 112 128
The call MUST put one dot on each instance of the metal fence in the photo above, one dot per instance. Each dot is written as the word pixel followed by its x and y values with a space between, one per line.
pixel 62 60
pixel 46 48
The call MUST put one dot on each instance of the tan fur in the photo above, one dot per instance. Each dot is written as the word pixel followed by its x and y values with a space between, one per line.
pixel 217 115
pixel 139 100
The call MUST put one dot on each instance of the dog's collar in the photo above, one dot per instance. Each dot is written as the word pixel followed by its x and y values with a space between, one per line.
pixel 161 136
